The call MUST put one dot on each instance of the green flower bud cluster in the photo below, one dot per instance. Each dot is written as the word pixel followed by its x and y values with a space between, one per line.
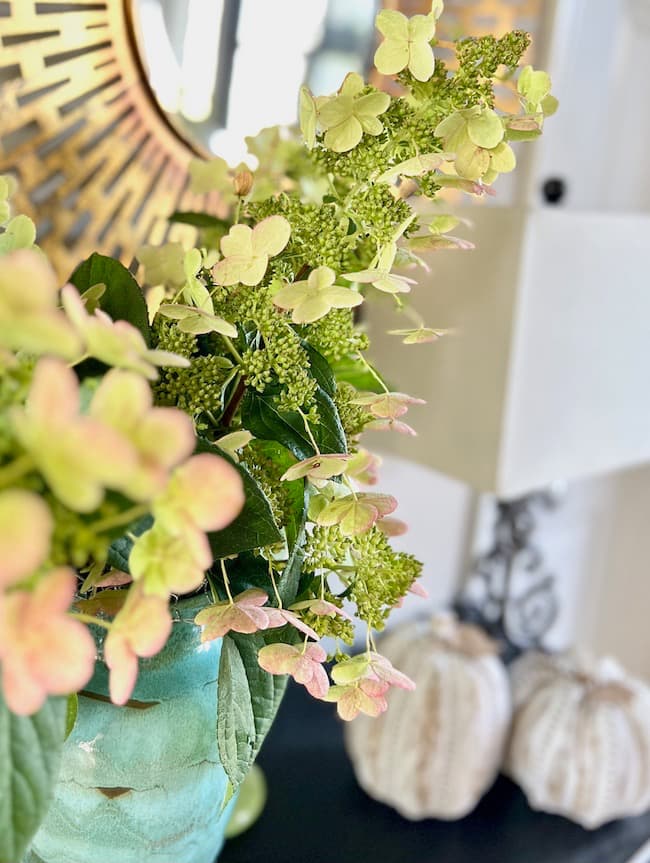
pixel 281 357
pixel 411 129
pixel 377 577
pixel 367 158
pixel 267 474
pixel 428 184
pixel 333 626
pixel 335 335
pixel 353 417
pixel 318 233
pixel 479 60
pixel 325 549
pixel 167 337
pixel 377 212
pixel 383 576
pixel 196 389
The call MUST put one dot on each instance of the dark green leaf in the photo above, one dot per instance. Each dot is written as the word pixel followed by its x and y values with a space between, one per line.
pixel 248 701
pixel 120 549
pixel 294 490
pixel 30 752
pixel 260 415
pixel 235 720
pixel 320 370
pixel 355 372
pixel 255 526
pixel 123 299
pixel 199 220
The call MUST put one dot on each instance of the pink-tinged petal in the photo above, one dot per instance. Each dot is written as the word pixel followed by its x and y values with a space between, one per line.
pixel 144 621
pixel 54 391
pixel 391 425
pixel 384 503
pixel 243 615
pixel 392 526
pixel 419 590
pixel 281 616
pixel 26 526
pixel 54 593
pixel 65 660
pixel 318 467
pixel 254 596
pixel 321 608
pixel 364 467
pixel 316 653
pixel 387 674
pixel 319 683
pixel 23 695
pixel 206 491
pixel 277 658
pixel 123 666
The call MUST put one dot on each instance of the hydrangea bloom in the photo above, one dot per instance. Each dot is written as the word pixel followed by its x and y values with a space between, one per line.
pixel 387 405
pixel 243 614
pixel 25 531
pixel 116 343
pixel 318 468
pixel 356 514
pixel 406 44
pixel 141 628
pixel 246 251
pixel 170 561
pixel 366 696
pixel 78 455
pixel 206 493
pixel 43 650
pixel 351 112
pixel 30 319
pixel 314 297
pixel 161 437
pixel 303 664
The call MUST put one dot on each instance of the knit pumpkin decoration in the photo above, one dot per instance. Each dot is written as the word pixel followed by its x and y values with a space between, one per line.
pixel 580 743
pixel 436 750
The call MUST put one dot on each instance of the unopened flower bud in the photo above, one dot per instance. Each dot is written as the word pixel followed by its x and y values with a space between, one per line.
pixel 242 183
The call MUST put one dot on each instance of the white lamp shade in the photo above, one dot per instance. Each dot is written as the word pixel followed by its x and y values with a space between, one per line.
pixel 547 376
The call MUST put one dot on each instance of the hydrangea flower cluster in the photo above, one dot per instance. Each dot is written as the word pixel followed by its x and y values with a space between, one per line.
pixel 283 272
pixel 85 456
pixel 202 433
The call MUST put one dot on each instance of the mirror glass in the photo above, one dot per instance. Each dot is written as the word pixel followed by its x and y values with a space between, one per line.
pixel 224 69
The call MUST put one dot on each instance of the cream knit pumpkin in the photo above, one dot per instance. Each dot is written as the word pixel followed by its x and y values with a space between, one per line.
pixel 580 744
pixel 437 749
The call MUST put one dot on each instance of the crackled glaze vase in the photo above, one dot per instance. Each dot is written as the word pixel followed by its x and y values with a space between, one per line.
pixel 143 783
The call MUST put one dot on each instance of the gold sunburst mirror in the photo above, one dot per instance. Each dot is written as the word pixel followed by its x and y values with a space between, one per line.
pixel 102 104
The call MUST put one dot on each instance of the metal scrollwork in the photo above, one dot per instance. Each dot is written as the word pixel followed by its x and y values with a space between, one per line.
pixel 509 592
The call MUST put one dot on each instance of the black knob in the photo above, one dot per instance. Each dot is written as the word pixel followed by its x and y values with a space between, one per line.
pixel 554 190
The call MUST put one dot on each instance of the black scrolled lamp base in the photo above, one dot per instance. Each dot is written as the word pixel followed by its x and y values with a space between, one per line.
pixel 509 592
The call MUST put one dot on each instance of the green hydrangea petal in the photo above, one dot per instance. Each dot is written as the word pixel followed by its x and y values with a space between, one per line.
pixel 391 57
pixel 485 129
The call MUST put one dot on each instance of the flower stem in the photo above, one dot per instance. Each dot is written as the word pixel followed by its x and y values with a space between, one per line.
pixel 126 517
pixel 226 581
pixel 233 404
pixel 373 372
pixel 275 587
pixel 233 350
pixel 88 618
pixel 309 432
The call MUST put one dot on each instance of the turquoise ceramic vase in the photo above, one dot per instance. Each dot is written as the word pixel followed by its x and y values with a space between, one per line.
pixel 143 783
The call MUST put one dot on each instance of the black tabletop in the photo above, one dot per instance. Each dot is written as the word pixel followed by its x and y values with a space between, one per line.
pixel 316 812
